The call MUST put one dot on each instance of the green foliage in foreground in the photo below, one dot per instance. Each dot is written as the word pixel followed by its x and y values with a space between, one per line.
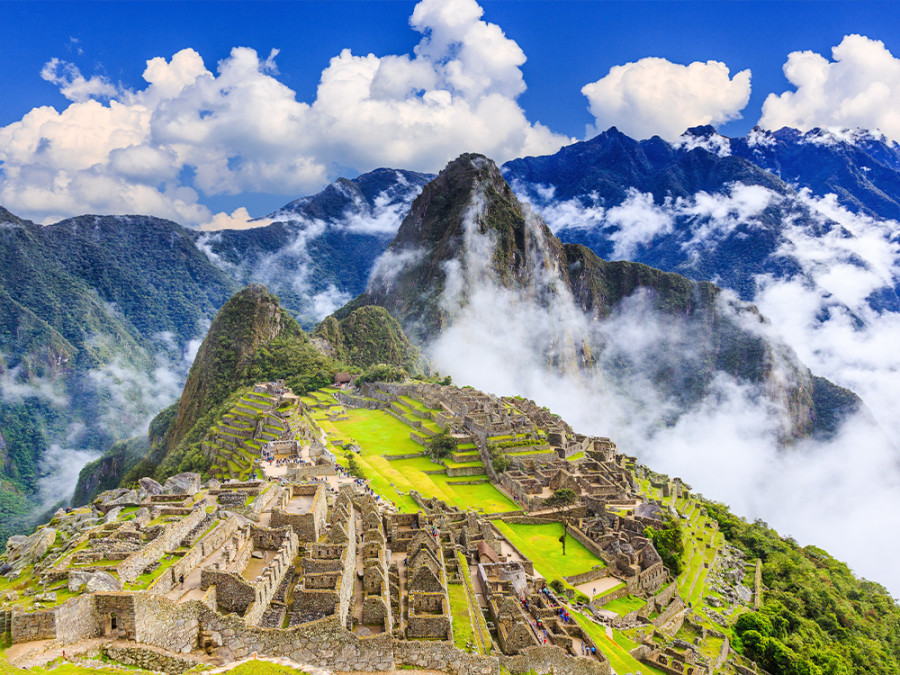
pixel 816 618
pixel 562 497
pixel 669 543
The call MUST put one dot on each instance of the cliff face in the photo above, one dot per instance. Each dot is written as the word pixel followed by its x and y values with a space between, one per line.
pixel 470 250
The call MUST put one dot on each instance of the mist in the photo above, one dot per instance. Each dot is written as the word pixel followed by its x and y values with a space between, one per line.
pixel 841 495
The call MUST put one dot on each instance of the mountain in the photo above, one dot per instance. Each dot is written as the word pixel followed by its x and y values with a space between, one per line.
pixel 252 339
pixel 317 252
pixel 366 337
pixel 471 257
pixel 96 335
pixel 733 211
pixel 93 331
pixel 862 168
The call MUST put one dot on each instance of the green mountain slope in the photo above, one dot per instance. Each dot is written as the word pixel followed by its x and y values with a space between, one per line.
pixel 95 316
pixel 368 336
pixel 252 339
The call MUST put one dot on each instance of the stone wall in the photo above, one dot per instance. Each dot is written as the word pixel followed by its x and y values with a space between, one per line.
pixel 664 597
pixel 723 654
pixel 359 401
pixel 170 539
pixel 591 575
pixel 300 472
pixel 195 555
pixel 34 626
pixel 674 607
pixel 324 643
pixel 554 660
pixel 148 659
pixel 443 657
pixel 307 526
pixel 589 543
pixel 162 623
pixel 263 502
pixel 76 619
pixel 233 592
pixel 122 606
pixel 271 577
pixel 609 597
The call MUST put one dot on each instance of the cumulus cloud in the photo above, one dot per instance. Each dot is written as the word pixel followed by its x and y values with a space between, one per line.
pixel 239 219
pixel 858 87
pixel 73 85
pixel 654 96
pixel 241 129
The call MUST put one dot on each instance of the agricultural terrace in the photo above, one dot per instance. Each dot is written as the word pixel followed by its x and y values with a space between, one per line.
pixel 380 435
pixel 615 646
pixel 541 545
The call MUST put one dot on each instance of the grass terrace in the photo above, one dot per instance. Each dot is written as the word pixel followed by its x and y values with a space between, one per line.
pixel 623 606
pixel 540 543
pixel 615 648
pixel 378 434
pixel 463 633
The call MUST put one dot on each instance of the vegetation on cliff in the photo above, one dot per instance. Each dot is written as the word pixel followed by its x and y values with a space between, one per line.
pixel 106 472
pixel 816 618
pixel 368 336
pixel 669 543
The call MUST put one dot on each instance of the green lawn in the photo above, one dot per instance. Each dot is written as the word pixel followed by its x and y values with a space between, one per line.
pixel 616 650
pixel 379 434
pixel 623 606
pixel 540 543
pixel 462 618
pixel 95 668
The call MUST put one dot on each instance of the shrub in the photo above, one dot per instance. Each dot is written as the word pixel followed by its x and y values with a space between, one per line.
pixel 440 445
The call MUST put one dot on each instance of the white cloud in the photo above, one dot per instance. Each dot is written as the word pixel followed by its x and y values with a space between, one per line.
pixel 241 129
pixel 239 219
pixel 714 143
pixel 73 85
pixel 859 87
pixel 654 96
pixel 639 220
pixel 15 386
pixel 838 494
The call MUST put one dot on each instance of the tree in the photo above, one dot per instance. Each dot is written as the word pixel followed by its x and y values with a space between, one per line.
pixel 668 543
pixel 353 467
pixel 441 445
pixel 562 497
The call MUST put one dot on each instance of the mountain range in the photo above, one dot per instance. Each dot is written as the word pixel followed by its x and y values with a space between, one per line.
pixel 96 336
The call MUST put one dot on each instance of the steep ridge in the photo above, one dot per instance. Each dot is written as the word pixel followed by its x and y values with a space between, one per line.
pixel 861 168
pixel 92 332
pixel 470 252
pixel 251 339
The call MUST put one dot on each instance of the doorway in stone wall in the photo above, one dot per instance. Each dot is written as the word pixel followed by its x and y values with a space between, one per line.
pixel 110 624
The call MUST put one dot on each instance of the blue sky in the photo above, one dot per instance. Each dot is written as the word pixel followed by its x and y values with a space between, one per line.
pixel 567 45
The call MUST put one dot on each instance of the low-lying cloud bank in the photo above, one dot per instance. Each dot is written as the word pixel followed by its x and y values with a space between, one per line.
pixel 839 494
